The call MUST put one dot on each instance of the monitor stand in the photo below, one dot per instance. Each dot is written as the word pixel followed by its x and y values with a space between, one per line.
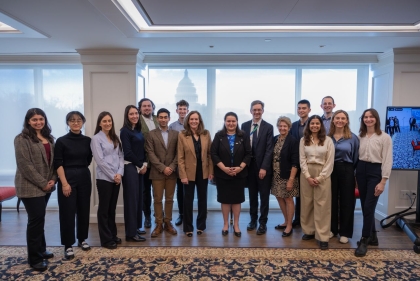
pixel 410 226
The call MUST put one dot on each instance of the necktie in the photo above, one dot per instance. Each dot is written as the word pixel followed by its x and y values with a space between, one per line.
pixel 254 135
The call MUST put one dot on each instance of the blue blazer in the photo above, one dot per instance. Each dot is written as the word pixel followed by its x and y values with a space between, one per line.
pixel 263 156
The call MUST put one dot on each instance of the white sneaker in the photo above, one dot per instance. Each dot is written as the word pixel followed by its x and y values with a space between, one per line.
pixel 331 235
pixel 344 240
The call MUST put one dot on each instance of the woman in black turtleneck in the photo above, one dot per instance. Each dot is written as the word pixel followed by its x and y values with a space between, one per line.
pixel 72 156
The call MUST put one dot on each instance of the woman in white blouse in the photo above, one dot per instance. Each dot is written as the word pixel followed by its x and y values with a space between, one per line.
pixel 316 152
pixel 372 172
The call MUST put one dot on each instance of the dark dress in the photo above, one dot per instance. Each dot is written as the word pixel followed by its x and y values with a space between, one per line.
pixel 231 150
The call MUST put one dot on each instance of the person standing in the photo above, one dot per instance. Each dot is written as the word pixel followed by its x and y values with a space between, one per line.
pixel 372 172
pixel 285 185
pixel 231 155
pixel 260 169
pixel 135 166
pixel 195 169
pixel 72 157
pixel 412 121
pixel 161 147
pixel 303 110
pixel 35 180
pixel 342 178
pixel 148 122
pixel 316 153
pixel 327 105
pixel 107 152
pixel 178 125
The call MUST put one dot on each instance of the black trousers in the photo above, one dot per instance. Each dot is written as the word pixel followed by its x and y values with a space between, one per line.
pixel 368 175
pixel 147 194
pixel 342 199
pixel 189 190
pixel 297 200
pixel 74 211
pixel 261 187
pixel 35 235
pixel 133 199
pixel 180 196
pixel 108 197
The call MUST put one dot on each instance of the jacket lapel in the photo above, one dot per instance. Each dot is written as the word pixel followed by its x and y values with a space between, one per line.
pixel 190 145
pixel 44 154
pixel 160 138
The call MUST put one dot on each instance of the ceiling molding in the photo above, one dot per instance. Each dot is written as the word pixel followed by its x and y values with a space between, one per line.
pixel 159 59
pixel 40 59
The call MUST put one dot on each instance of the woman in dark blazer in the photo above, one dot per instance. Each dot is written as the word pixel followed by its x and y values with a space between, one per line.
pixel 231 155
pixel 285 185
pixel 195 169
pixel 72 158
pixel 135 166
pixel 35 180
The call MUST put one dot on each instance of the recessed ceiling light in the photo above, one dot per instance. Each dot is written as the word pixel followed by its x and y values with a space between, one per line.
pixel 211 46
pixel 267 40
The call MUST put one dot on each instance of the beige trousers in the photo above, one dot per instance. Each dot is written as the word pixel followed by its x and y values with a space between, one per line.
pixel 160 187
pixel 315 214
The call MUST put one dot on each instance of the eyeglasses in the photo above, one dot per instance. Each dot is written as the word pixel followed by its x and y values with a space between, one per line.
pixel 76 121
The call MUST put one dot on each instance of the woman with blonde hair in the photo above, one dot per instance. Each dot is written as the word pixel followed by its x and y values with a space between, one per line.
pixel 195 169
pixel 285 185
pixel 342 178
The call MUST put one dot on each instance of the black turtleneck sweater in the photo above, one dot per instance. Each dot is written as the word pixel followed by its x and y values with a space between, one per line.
pixel 72 150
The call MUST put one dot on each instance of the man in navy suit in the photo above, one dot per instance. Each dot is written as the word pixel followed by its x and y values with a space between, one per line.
pixel 260 168
pixel 303 109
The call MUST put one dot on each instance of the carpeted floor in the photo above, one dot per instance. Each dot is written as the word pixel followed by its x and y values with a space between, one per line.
pixel 179 264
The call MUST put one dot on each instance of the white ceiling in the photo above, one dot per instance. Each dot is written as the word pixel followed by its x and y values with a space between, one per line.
pixel 64 26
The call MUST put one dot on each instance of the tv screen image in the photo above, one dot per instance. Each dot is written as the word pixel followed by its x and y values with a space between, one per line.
pixel 403 125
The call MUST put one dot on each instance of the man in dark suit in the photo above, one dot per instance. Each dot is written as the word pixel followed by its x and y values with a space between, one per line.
pixel 412 122
pixel 260 168
pixel 148 122
pixel 161 146
pixel 303 109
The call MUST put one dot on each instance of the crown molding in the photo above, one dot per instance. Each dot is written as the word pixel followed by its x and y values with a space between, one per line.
pixel 40 59
pixel 108 56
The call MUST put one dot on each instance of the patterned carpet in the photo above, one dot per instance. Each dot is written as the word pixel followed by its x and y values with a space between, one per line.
pixel 403 152
pixel 205 264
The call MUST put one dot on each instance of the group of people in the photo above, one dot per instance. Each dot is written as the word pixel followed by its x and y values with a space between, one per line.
pixel 317 160
pixel 392 126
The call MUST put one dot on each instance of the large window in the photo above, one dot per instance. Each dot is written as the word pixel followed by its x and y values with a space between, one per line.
pixel 216 90
pixel 56 90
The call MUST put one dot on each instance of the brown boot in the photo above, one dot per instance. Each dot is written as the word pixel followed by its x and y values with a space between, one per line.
pixel 158 230
pixel 170 228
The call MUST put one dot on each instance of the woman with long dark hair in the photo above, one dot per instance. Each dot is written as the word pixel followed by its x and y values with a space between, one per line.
pixel 231 155
pixel 107 152
pixel 72 157
pixel 35 180
pixel 195 169
pixel 372 172
pixel 316 151
pixel 342 178
pixel 135 166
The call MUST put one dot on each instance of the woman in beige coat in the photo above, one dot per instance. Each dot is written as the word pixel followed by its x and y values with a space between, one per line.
pixel 35 180
pixel 195 169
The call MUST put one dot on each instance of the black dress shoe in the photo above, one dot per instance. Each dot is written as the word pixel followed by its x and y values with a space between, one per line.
pixel 47 255
pixel 41 266
pixel 141 232
pixel 323 245
pixel 280 227
pixel 262 229
pixel 308 237
pixel 362 248
pixel 296 223
pixel 237 234
pixel 251 225
pixel 225 232
pixel 287 234
pixel 117 240
pixel 179 220
pixel 147 222
pixel 110 245
pixel 135 238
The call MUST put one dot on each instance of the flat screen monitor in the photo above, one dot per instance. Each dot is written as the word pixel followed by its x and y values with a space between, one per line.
pixel 403 125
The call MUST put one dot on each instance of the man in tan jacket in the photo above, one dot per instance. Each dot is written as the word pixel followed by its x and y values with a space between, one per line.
pixel 161 147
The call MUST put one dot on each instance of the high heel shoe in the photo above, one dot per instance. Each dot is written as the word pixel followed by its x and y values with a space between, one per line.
pixel 237 234
pixel 189 234
pixel 225 232
pixel 287 234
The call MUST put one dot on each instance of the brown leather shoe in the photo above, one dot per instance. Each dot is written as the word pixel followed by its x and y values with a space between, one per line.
pixel 170 228
pixel 158 230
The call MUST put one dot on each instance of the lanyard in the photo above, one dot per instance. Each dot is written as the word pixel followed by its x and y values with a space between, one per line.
pixel 254 130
